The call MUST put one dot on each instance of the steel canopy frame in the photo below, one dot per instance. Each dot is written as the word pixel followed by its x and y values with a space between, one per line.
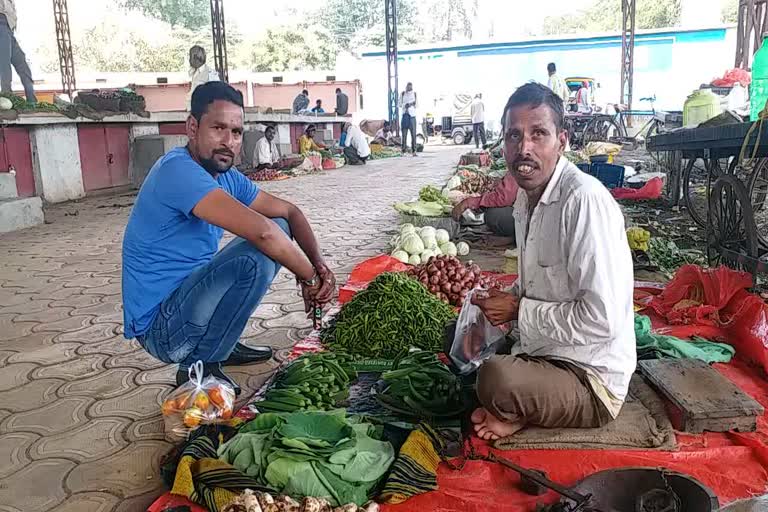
pixel 390 17
pixel 219 31
pixel 627 50
pixel 752 24
pixel 64 44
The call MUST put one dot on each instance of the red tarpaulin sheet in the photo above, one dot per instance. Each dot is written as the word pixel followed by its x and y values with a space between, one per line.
pixel 651 190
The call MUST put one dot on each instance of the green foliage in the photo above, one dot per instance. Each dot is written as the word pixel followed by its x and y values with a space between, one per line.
pixel 190 14
pixel 605 16
pixel 357 23
pixel 730 12
pixel 288 48
pixel 451 19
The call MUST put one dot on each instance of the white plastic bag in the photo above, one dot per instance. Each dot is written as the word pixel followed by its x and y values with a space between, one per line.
pixel 476 339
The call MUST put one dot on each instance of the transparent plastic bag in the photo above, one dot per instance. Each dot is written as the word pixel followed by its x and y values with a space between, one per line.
pixel 199 401
pixel 475 339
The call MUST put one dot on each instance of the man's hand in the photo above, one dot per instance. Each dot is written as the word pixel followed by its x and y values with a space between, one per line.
pixel 327 285
pixel 309 294
pixel 459 209
pixel 497 306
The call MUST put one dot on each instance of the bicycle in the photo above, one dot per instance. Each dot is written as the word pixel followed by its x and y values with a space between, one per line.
pixel 613 128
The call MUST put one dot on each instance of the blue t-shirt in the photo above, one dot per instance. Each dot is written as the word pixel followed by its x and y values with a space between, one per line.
pixel 164 242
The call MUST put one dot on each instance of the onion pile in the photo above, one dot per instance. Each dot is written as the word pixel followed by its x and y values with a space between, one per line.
pixel 449 279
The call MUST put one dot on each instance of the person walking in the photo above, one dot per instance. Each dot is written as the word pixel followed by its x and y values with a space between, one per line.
pixel 557 84
pixel 12 55
pixel 478 120
pixel 408 104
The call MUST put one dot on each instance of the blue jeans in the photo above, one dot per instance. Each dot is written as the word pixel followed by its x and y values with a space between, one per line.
pixel 203 319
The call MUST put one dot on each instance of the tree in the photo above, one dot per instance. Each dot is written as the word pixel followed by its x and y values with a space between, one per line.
pixel 730 12
pixel 355 23
pixel 605 16
pixel 190 14
pixel 289 48
pixel 452 18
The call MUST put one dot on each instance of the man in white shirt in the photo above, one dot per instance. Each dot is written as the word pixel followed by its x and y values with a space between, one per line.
pixel 557 84
pixel 356 148
pixel 478 120
pixel 266 155
pixel 12 55
pixel 573 298
pixel 408 104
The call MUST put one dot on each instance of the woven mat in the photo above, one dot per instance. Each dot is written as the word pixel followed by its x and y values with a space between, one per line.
pixel 642 424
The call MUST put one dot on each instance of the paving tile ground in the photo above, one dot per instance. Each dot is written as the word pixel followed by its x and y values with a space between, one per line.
pixel 80 428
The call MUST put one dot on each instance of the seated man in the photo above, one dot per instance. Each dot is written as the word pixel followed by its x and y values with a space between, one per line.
pixel 301 102
pixel 318 108
pixel 497 206
pixel 184 301
pixel 266 155
pixel 384 136
pixel 307 141
pixel 356 148
pixel 573 300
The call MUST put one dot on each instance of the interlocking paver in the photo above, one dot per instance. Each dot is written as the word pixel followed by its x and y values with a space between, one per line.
pixel 90 439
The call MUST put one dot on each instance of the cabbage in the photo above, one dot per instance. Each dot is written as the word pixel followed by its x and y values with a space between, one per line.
pixel 426 255
pixel 407 228
pixel 462 248
pixel 438 252
pixel 426 231
pixel 442 236
pixel 430 242
pixel 412 244
pixel 400 255
pixel 449 248
pixel 414 259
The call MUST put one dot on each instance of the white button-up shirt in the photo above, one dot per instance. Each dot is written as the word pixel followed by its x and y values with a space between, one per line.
pixel 266 152
pixel 576 282
pixel 357 140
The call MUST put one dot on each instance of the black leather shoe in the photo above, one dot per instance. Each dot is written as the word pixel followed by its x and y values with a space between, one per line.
pixel 247 355
pixel 182 376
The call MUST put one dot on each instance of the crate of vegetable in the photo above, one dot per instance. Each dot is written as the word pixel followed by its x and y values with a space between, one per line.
pixel 449 279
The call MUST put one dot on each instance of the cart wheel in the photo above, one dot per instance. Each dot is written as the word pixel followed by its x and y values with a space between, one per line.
pixel 755 178
pixel 459 138
pixel 602 129
pixel 671 163
pixel 696 182
pixel 731 230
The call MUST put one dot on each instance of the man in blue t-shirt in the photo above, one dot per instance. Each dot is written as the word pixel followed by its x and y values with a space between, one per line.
pixel 183 299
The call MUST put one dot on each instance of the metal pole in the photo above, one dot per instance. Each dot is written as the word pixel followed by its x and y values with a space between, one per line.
pixel 390 15
pixel 219 39
pixel 627 50
pixel 64 44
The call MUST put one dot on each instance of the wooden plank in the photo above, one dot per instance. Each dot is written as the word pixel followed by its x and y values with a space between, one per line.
pixel 705 399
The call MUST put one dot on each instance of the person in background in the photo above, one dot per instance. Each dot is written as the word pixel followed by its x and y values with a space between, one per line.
pixel 478 120
pixel 307 141
pixel 573 300
pixel 342 103
pixel 199 72
pixel 184 300
pixel 356 148
pixel 408 104
pixel 318 108
pixel 266 154
pixel 497 207
pixel 584 99
pixel 557 84
pixel 12 55
pixel 384 136
pixel 301 102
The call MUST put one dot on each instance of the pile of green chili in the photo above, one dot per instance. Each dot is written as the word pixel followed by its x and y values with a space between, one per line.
pixel 393 314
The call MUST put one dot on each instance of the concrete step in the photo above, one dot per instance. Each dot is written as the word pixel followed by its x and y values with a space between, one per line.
pixel 8 185
pixel 20 213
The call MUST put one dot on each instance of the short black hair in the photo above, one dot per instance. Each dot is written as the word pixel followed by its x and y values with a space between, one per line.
pixel 338 90
pixel 319 102
pixel 534 95
pixel 269 128
pixel 551 67
pixel 209 92
pixel 305 92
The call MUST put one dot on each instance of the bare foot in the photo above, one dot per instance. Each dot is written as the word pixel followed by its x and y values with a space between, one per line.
pixel 489 427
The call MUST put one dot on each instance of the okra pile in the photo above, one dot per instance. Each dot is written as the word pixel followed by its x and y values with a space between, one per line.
pixel 421 386
pixel 393 314
pixel 312 382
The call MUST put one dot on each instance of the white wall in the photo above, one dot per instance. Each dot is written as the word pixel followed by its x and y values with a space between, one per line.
pixel 55 149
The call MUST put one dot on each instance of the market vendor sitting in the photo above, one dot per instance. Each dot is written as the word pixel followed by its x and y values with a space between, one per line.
pixel 266 155
pixel 573 299
pixel 496 205
pixel 356 148
pixel 384 137
pixel 184 300
pixel 307 141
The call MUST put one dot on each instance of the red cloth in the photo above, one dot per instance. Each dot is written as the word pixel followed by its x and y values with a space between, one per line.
pixel 651 190
pixel 733 76
pixel 504 194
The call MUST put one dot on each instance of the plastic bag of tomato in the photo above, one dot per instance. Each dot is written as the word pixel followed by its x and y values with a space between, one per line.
pixel 199 401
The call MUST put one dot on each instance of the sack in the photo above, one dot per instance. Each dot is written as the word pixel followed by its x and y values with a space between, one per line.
pixel 197 402
pixel 476 339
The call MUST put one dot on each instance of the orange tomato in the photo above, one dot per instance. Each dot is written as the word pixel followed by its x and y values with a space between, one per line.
pixel 193 417
pixel 217 397
pixel 225 413
pixel 169 407
pixel 183 401
pixel 201 401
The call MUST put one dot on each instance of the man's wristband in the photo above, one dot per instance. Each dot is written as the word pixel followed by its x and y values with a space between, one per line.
pixel 312 282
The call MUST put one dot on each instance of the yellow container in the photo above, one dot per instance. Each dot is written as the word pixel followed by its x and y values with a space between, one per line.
pixel 700 106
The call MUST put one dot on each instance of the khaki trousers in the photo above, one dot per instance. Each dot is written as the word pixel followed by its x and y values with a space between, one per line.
pixel 541 392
